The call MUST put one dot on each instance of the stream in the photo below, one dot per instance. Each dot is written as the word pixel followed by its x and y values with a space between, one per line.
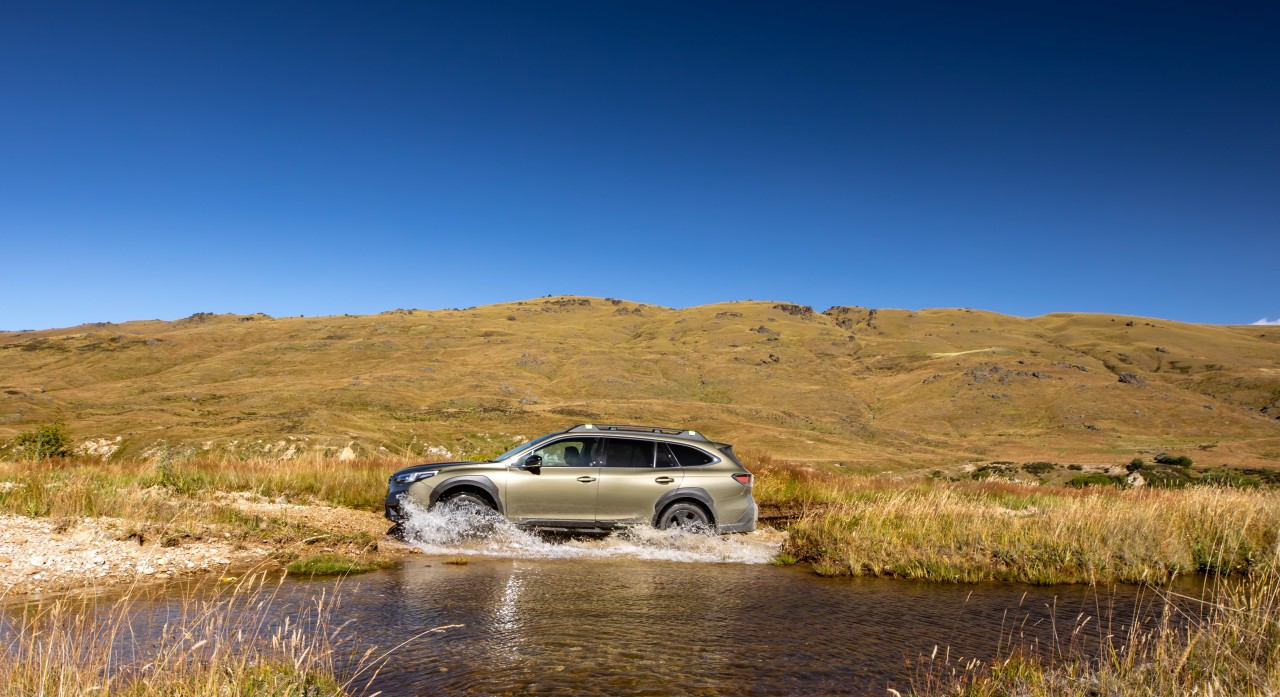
pixel 649 612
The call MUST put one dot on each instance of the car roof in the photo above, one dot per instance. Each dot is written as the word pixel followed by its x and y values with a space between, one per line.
pixel 644 431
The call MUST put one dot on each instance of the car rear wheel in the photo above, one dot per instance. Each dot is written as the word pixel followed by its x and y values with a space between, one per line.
pixel 685 516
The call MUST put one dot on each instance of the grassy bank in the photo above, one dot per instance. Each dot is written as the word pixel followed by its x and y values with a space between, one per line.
pixel 1228 645
pixel 175 503
pixel 841 524
pixel 975 531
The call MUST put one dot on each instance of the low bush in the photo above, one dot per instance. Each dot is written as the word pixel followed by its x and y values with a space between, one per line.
pixel 44 442
pixel 1038 468
pixel 1094 479
pixel 1177 460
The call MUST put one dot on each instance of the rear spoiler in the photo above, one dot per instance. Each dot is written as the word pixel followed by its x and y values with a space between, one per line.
pixel 727 449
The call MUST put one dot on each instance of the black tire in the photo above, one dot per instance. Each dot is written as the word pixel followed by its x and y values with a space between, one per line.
pixel 469 502
pixel 685 516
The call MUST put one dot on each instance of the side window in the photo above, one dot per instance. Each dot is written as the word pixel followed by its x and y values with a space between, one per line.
pixel 621 452
pixel 665 458
pixel 571 452
pixel 689 457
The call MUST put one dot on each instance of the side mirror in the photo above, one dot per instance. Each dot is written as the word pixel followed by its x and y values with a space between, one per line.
pixel 533 464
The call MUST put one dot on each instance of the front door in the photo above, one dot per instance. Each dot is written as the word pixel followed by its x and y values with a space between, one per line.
pixel 565 488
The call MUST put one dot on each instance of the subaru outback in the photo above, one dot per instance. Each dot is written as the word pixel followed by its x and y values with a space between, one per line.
pixel 593 478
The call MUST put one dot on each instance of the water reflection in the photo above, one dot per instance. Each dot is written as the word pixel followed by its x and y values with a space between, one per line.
pixel 625 627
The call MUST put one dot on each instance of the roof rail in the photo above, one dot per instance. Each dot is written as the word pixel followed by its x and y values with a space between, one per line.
pixel 675 432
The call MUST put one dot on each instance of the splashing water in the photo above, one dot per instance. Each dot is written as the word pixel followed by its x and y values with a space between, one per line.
pixel 450 530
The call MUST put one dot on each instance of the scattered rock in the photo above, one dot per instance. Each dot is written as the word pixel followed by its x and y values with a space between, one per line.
pixel 1133 379
pixel 801 311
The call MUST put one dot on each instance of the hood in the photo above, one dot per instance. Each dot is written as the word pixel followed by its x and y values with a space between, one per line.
pixel 433 466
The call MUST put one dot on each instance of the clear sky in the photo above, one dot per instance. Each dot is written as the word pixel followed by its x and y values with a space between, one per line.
pixel 159 159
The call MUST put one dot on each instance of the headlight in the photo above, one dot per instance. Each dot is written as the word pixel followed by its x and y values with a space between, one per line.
pixel 411 477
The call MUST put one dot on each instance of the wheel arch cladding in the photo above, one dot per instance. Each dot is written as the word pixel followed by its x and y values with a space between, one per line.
pixel 481 485
pixel 695 495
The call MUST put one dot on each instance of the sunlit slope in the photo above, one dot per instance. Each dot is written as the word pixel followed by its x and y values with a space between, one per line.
pixel 868 388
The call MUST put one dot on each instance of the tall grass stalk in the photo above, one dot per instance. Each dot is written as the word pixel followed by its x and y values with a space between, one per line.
pixel 248 639
pixel 1228 644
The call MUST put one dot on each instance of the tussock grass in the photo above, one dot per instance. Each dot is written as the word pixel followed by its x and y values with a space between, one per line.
pixel 78 488
pixel 184 500
pixel 1232 647
pixel 976 531
pixel 244 640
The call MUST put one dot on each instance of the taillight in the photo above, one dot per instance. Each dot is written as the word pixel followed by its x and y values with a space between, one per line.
pixel 743 478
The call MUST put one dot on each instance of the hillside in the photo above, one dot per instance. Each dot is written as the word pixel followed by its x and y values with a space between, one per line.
pixel 868 389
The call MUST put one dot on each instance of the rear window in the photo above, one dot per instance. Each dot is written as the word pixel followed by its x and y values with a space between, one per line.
pixel 628 453
pixel 689 457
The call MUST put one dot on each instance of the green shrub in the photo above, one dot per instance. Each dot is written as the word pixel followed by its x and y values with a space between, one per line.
pixel 1038 468
pixel 1135 464
pixel 1178 460
pixel 49 440
pixel 1169 477
pixel 1095 479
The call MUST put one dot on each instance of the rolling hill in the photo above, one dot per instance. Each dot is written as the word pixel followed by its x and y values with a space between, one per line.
pixel 868 389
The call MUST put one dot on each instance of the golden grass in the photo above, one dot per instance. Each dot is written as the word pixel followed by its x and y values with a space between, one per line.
pixel 78 487
pixel 886 389
pixel 229 642
pixel 976 531
pixel 1228 646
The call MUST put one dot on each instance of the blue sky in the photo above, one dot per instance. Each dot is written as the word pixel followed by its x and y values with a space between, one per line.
pixel 159 159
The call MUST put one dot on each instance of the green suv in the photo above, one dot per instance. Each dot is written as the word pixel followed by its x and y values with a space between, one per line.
pixel 593 477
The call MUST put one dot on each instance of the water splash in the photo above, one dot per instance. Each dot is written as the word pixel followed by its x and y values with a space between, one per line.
pixel 448 530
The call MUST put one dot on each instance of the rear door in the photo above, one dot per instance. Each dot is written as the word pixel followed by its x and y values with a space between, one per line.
pixel 634 475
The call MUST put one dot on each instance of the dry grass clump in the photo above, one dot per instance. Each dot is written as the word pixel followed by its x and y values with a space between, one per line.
pixel 246 640
pixel 1231 647
pixel 975 531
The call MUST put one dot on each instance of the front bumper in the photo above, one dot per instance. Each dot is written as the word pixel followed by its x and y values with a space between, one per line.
pixel 392 510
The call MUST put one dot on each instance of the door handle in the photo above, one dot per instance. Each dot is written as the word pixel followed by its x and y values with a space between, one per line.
pixel 664 480
pixel 586 480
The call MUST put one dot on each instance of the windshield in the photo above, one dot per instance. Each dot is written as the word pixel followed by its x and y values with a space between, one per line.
pixel 522 446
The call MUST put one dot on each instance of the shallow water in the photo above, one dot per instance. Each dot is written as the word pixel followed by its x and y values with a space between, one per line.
pixel 655 613
pixel 636 627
